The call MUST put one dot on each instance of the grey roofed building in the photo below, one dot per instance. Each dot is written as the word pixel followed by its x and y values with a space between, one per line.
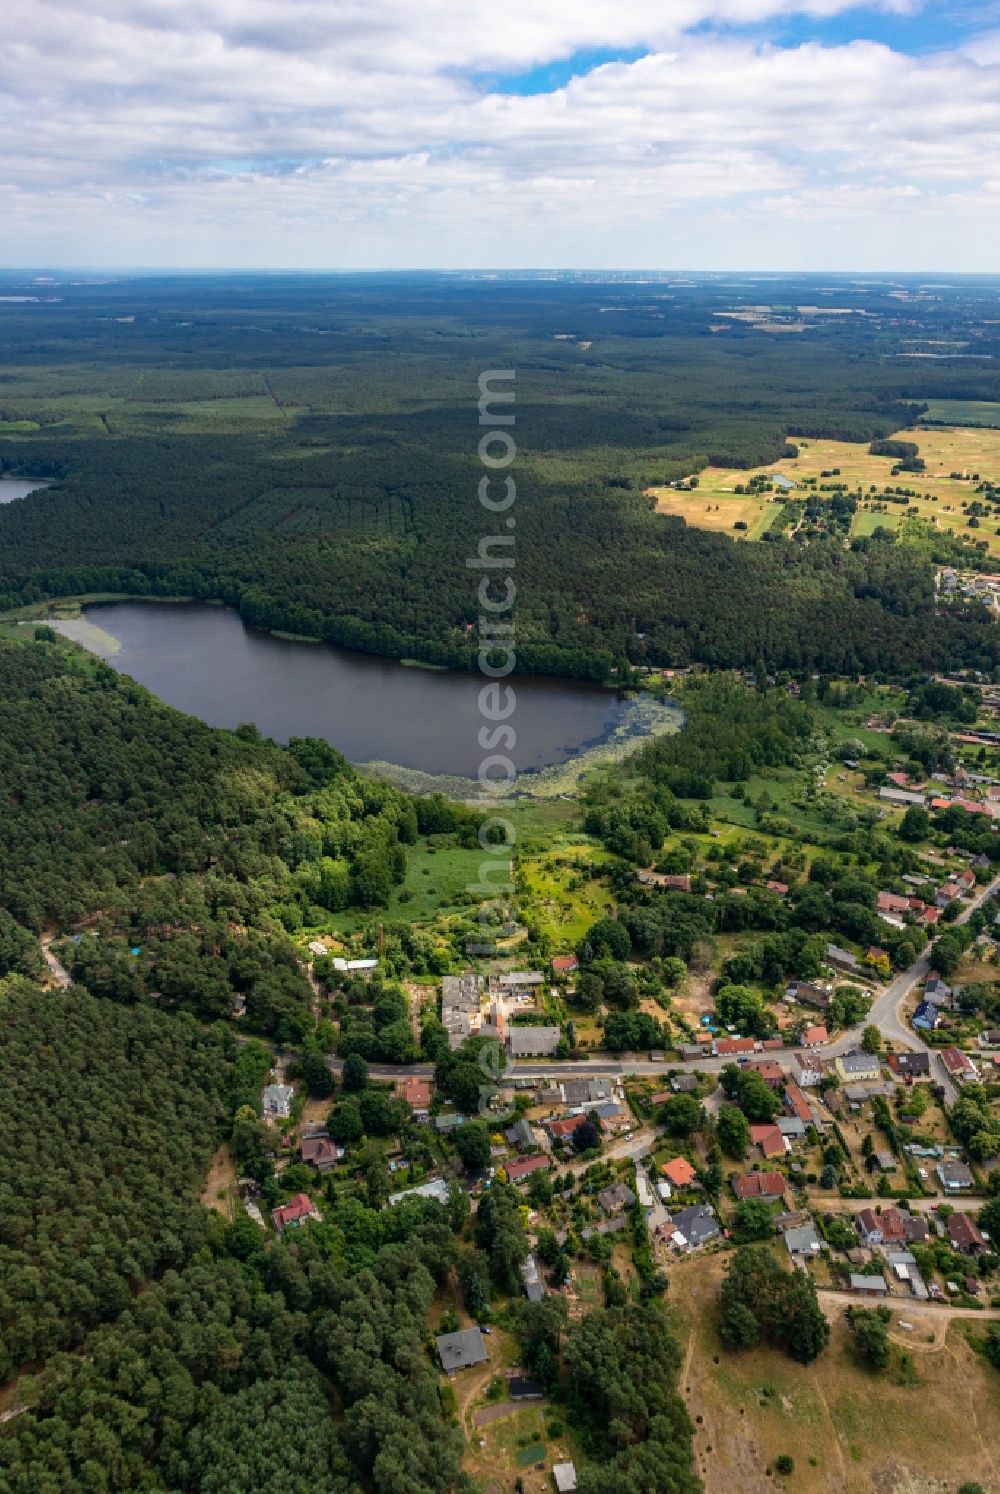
pixel 587 1091
pixel 533 1042
pixel 953 1176
pixel 872 1286
pixel 448 1122
pixel 683 1084
pixel 697 1224
pixel 277 1101
pixel 461 996
pixel 857 1063
pixel 841 957
pixel 461 1350
pixel 608 1110
pixel 885 1161
pixel 534 1289
pixel 619 1196
pixel 564 1477
pixel 901 796
pixel 802 1241
pixel 520 1134
pixel 790 1125
pixel 437 1189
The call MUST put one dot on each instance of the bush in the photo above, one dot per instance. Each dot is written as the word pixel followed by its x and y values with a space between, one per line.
pixel 785 1464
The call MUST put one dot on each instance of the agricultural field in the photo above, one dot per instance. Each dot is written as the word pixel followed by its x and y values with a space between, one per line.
pixel 921 1427
pixel 939 496
pixel 963 412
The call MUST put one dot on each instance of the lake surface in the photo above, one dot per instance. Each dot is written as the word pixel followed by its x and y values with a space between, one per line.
pixel 205 661
pixel 16 487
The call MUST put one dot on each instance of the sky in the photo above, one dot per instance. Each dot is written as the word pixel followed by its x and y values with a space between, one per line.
pixel 439 134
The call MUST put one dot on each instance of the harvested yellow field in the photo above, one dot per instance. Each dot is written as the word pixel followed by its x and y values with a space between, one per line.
pixel 716 510
pixel 939 496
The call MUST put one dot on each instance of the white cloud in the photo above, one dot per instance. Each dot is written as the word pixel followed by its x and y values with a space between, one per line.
pixel 305 131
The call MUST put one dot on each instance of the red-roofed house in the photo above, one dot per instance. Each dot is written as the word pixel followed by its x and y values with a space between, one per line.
pixel 770 1141
pixel 887 1228
pixel 759 1185
pixel 891 902
pixel 523 1167
pixel 781 888
pixel 796 1102
pixel 965 1235
pixel 296 1211
pixel 729 1047
pixel 679 1172
pixel 416 1092
pixel 771 1072
pixel 814 1037
pixel 563 1129
pixel 564 964
pixel 958 1065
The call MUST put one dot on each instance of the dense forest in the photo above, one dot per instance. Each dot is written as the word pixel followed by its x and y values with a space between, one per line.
pixel 306 450
pixel 184 855
pixel 110 1118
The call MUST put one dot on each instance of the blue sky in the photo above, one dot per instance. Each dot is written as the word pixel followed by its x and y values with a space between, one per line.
pixel 705 134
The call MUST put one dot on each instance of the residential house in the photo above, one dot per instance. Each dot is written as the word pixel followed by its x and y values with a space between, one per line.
pixel 564 1478
pixel 810 1070
pixel 885 1161
pixel 417 1094
pixel 759 1185
pixel 616 1199
pixel 562 1130
pixel 791 1127
pixel 522 1167
pixel 924 1019
pixel 679 1172
pixel 534 1288
pixel 938 992
pixel 857 1065
pixel 683 1084
pixel 841 959
pixel 461 1002
pixel 781 888
pixel 869 1286
pixel 886 1228
pixel 276 1101
pixel 892 902
pixel 954 1177
pixel 815 1037
pixel 733 1047
pixel 910 1066
pixel 990 1039
pixel 565 964
pixel 524 1388
pixel 669 881
pixel 296 1211
pixel 461 1350
pixel 520 1134
pixel 797 1104
pixel 958 1065
pixel 437 1189
pixel 966 1236
pixel 947 893
pixel 771 1072
pixel 533 1042
pixel 694 1227
pixel 802 1243
pixel 317 1150
pixel 769 1141
pixel 809 995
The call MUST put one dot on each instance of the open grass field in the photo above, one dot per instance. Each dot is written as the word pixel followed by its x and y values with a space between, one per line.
pixel 964 411
pixel 939 499
pixel 848 1430
pixel 560 896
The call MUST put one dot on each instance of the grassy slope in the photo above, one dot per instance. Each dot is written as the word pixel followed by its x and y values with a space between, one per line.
pixel 864 1432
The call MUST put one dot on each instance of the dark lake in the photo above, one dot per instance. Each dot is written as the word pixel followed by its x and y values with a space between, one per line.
pixel 18 487
pixel 203 660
